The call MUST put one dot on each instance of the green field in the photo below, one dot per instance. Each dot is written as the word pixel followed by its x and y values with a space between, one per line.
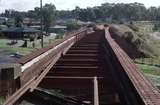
pixel 23 50
pixel 13 49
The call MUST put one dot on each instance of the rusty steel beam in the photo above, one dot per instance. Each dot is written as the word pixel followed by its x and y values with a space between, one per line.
pixel 86 74
pixel 45 71
pixel 71 77
pixel 51 83
pixel 147 91
pixel 40 57
pixel 12 99
pixel 96 94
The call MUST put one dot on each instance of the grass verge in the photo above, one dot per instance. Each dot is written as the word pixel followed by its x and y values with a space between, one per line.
pixel 1 100
pixel 12 49
pixel 152 72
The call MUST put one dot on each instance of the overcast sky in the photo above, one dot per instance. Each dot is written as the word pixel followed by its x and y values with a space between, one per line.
pixel 24 5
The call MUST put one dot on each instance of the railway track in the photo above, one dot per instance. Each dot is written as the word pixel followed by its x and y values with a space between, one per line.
pixel 75 71
pixel 73 74
pixel 92 71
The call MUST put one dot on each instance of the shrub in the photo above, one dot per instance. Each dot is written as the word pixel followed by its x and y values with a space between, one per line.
pixel 156 27
pixel 72 26
pixel 128 36
pixel 133 27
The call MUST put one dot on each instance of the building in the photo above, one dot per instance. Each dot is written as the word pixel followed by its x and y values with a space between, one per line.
pixel 20 32
pixel 3 19
pixel 31 22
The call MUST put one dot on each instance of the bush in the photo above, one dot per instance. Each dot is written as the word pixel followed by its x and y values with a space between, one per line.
pixel 59 36
pixel 128 36
pixel 72 26
pixel 133 27
pixel 156 27
pixel 138 42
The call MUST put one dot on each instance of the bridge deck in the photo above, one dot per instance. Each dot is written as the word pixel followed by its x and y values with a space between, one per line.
pixel 74 72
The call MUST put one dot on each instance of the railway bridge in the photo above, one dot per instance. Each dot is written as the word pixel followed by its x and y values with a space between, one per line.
pixel 84 68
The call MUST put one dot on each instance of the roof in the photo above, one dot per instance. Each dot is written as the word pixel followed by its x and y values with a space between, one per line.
pixel 59 27
pixel 20 30
pixel 3 27
pixel 3 18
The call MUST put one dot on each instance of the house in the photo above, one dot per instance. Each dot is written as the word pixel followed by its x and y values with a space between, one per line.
pixel 3 19
pixel 20 32
pixel 31 22
pixel 3 27
pixel 57 29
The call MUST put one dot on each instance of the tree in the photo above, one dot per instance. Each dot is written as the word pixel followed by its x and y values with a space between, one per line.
pixel 48 14
pixel 152 13
pixel 72 26
pixel 107 11
pixel 76 12
pixel 91 14
pixel 18 21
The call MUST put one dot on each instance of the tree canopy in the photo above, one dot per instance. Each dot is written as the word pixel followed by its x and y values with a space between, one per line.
pixel 105 12
pixel 111 11
pixel 48 14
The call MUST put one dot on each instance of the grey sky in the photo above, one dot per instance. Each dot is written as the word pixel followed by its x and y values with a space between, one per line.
pixel 24 5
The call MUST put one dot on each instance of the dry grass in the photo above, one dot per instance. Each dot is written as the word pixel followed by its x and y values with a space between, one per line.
pixel 142 41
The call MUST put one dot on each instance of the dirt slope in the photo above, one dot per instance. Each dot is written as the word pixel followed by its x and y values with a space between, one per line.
pixel 132 42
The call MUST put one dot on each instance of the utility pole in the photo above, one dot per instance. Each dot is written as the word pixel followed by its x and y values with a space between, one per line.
pixel 41 23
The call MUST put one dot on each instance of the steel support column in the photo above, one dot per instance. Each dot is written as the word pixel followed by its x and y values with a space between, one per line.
pixel 96 96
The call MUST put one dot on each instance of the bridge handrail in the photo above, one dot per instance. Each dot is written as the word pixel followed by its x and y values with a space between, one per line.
pixel 147 91
pixel 33 74
pixel 40 51
pixel 34 66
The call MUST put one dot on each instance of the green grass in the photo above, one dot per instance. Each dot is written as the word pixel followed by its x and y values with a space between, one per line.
pixel 148 69
pixel 11 49
pixel 154 78
pixel 1 100
pixel 22 50
pixel 152 72
pixel 46 41
pixel 3 43
pixel 148 61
